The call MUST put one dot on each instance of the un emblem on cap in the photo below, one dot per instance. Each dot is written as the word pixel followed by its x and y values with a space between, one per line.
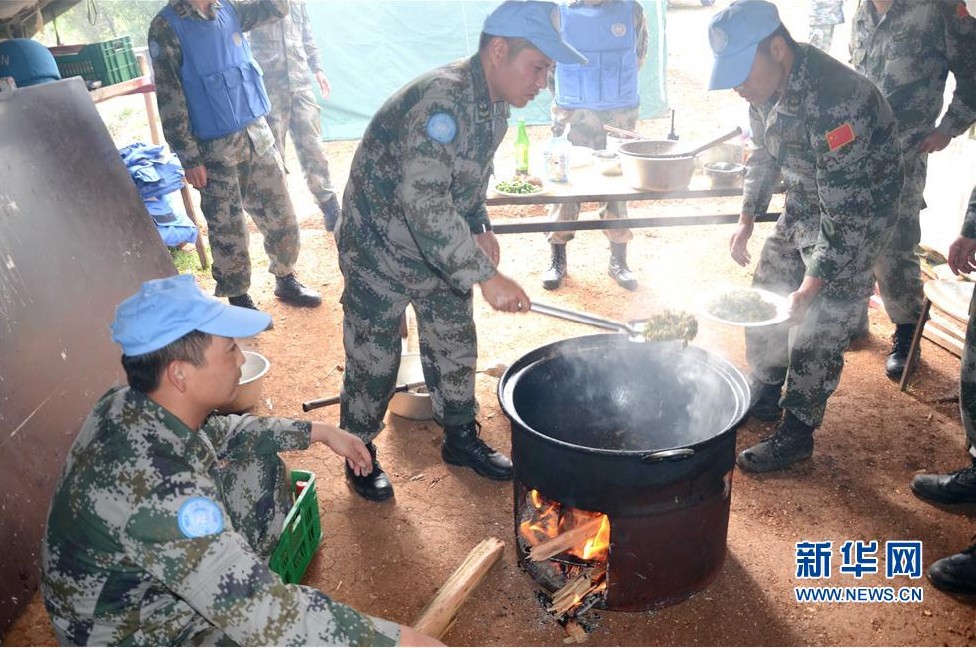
pixel 200 516
pixel 718 39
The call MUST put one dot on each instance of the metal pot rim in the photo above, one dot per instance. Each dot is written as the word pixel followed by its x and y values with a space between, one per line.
pixel 509 380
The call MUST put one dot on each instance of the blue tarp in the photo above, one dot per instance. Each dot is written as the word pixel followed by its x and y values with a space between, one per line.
pixel 371 48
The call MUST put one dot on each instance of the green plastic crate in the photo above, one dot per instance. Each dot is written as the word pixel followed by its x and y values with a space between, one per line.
pixel 108 62
pixel 302 532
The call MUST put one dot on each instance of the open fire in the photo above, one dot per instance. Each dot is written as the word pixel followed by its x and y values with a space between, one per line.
pixel 567 549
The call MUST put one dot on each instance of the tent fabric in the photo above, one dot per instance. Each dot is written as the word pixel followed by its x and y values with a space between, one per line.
pixel 371 48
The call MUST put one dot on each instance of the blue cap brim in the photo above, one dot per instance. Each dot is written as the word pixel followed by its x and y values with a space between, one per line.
pixel 731 71
pixel 236 322
pixel 559 51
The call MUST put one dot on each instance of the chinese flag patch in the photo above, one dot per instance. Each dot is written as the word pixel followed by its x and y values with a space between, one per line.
pixel 961 10
pixel 840 136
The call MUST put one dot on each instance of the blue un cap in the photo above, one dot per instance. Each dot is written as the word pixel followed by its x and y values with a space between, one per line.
pixel 734 34
pixel 535 22
pixel 164 310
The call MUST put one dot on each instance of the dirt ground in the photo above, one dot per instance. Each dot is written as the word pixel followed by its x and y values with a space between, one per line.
pixel 389 559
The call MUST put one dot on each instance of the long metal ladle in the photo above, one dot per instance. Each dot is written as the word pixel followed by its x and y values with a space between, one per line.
pixel 585 318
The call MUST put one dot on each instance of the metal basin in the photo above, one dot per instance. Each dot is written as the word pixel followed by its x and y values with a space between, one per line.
pixel 643 168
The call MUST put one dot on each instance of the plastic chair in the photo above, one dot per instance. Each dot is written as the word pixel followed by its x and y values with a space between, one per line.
pixel 947 326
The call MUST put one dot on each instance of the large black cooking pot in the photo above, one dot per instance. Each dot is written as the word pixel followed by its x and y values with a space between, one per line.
pixel 627 428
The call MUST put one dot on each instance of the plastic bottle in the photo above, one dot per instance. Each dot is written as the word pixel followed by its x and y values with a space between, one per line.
pixel 521 150
pixel 557 157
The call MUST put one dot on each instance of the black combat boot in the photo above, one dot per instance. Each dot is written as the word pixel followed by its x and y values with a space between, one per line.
pixel 245 301
pixel 901 342
pixel 376 485
pixel 618 267
pixel 289 290
pixel 553 277
pixel 956 573
pixel 463 447
pixel 765 400
pixel 955 488
pixel 792 442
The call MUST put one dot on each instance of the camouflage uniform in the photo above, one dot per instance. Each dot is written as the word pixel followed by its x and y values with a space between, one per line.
pixel 823 15
pixel 586 129
pixel 909 53
pixel 238 165
pixel 120 567
pixel 967 378
pixel 415 194
pixel 833 137
pixel 286 50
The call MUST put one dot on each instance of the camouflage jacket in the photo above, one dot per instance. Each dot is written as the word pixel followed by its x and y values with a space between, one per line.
pixel 418 180
pixel 167 59
pixel 833 137
pixel 969 220
pixel 909 53
pixel 286 49
pixel 117 569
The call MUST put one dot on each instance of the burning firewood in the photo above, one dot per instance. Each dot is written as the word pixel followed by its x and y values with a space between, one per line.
pixel 437 617
pixel 577 594
pixel 566 540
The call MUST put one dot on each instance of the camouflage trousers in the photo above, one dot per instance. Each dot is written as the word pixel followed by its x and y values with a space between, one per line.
pixel 299 114
pixel 372 307
pixel 256 493
pixel 821 37
pixel 967 380
pixel 260 181
pixel 898 270
pixel 810 363
pixel 586 129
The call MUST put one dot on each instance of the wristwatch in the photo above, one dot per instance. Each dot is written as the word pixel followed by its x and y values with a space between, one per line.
pixel 481 228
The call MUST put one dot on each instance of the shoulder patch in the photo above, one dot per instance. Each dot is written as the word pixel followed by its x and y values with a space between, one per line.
pixel 961 11
pixel 840 136
pixel 200 516
pixel 153 49
pixel 442 128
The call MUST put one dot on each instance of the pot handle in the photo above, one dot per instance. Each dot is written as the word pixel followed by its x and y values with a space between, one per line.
pixel 668 455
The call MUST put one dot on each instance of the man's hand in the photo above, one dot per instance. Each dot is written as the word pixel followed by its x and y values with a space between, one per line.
pixel 345 445
pixel 196 176
pixel 489 245
pixel 738 241
pixel 323 84
pixel 933 142
pixel 503 294
pixel 962 255
pixel 799 301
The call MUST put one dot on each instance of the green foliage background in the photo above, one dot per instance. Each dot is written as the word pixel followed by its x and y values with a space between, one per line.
pixel 92 21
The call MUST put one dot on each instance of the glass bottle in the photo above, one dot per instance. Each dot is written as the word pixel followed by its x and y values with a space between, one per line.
pixel 521 149
pixel 557 157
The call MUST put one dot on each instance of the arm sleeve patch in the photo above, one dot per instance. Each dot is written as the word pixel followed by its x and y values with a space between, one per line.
pixel 200 516
pixel 441 127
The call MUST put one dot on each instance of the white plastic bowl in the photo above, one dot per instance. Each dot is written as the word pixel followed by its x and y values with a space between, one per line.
pixel 255 367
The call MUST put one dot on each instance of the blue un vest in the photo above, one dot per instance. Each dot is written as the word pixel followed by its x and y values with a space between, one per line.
pixel 604 34
pixel 222 83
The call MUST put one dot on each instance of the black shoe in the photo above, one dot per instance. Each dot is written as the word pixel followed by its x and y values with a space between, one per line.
pixel 290 291
pixel 901 342
pixel 553 277
pixel 792 442
pixel 245 301
pixel 618 267
pixel 956 573
pixel 765 400
pixel 955 488
pixel 463 447
pixel 376 485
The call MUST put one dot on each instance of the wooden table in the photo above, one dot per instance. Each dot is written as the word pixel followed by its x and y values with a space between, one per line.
pixel 144 86
pixel 587 184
